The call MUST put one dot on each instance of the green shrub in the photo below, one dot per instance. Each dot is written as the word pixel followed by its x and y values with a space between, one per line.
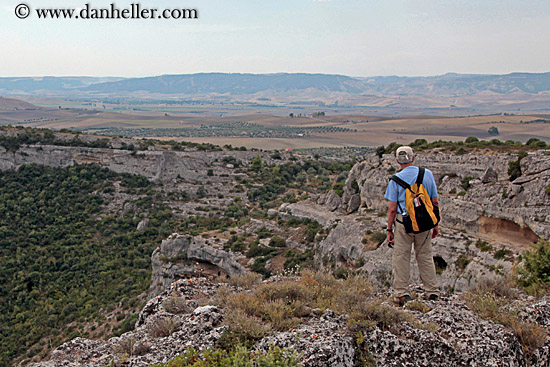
pixel 537 143
pixel 502 254
pixel 339 188
pixel 127 325
pixel 514 167
pixel 535 267
pixel 465 182
pixel 379 237
pixel 277 242
pixel 295 259
pixel 239 356
pixel 354 185
pixel 483 246
pixel 341 273
pixel 259 266
pixel 255 250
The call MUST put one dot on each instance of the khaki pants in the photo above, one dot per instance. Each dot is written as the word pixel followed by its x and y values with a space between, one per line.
pixel 401 261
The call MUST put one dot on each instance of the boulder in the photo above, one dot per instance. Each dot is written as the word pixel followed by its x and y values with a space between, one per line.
pixel 333 200
pixel 321 341
pixel 490 175
pixel 354 203
pixel 143 224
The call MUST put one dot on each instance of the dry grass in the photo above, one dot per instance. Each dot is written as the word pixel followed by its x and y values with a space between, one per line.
pixel 285 304
pixel 163 327
pixel 247 280
pixel 176 305
pixel 501 287
pixel 490 300
pixel 417 305
pixel 369 314
pixel 129 347
pixel 242 323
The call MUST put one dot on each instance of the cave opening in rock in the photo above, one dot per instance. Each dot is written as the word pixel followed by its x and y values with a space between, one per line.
pixel 440 264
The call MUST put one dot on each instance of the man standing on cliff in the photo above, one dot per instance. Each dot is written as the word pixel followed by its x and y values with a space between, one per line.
pixel 403 241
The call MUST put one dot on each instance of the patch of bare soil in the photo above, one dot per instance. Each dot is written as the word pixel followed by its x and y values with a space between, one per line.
pixel 506 231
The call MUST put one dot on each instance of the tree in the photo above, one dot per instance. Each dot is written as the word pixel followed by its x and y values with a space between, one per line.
pixel 493 130
pixel 257 163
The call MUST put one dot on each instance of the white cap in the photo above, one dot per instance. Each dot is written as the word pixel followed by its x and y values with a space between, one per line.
pixel 404 154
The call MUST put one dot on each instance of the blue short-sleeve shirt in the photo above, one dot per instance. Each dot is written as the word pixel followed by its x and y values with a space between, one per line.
pixel 409 174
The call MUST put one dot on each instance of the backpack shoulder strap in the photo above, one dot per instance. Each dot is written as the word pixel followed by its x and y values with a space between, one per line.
pixel 420 176
pixel 400 182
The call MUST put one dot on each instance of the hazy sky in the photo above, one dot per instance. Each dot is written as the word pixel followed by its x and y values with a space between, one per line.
pixel 350 37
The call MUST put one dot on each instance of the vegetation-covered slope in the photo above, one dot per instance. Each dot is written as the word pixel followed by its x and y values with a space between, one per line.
pixel 63 258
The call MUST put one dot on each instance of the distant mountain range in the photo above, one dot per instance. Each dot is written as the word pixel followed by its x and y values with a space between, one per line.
pixel 245 84
pixel 38 85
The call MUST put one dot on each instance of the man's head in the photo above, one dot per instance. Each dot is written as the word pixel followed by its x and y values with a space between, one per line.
pixel 404 155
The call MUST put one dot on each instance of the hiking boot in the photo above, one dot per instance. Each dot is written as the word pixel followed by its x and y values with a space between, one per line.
pixel 400 301
pixel 433 297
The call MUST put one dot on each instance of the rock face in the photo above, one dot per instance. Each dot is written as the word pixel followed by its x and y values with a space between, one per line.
pixel 181 256
pixel 159 165
pixel 447 333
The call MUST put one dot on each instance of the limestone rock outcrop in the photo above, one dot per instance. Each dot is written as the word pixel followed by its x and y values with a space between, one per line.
pixel 159 165
pixel 181 256
pixel 446 333
pixel 322 341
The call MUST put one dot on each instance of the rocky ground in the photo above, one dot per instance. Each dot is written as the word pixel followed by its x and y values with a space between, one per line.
pixel 444 333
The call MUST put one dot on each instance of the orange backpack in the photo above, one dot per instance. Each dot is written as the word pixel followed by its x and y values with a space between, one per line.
pixel 421 215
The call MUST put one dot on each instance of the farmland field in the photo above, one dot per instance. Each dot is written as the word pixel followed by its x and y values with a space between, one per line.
pixel 221 124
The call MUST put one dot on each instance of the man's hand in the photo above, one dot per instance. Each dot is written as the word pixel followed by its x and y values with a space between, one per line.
pixel 435 231
pixel 389 238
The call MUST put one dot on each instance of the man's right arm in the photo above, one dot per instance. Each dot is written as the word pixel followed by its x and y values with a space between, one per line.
pixel 435 231
pixel 391 196
pixel 392 212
